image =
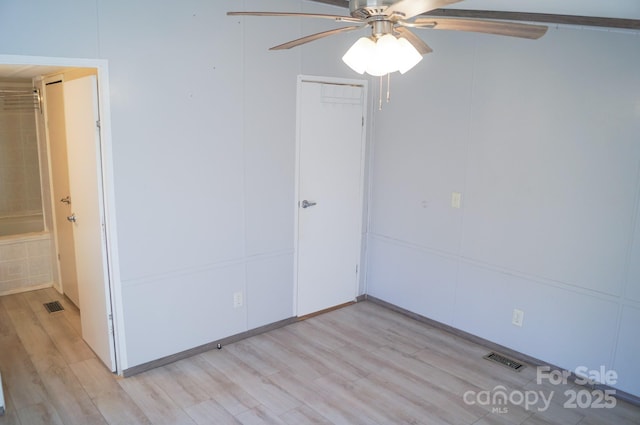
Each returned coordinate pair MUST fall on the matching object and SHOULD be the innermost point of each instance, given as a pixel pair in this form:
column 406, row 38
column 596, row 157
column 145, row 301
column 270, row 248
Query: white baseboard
column 26, row 289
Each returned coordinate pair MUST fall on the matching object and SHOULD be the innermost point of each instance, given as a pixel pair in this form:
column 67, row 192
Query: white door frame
column 108, row 195
column 339, row 81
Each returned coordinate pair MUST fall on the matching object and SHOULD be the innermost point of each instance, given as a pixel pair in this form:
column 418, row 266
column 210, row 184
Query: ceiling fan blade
column 511, row 29
column 410, row 8
column 416, row 41
column 314, row 37
column 337, row 18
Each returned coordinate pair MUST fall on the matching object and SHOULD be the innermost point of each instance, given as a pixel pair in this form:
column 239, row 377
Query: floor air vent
column 53, row 306
column 505, row 361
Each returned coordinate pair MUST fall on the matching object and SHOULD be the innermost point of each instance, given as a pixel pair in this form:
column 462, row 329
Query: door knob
column 307, row 204
column 72, row 218
column 66, row 200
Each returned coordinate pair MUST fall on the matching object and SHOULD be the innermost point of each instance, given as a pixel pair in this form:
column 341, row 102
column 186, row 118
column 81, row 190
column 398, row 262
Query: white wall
column 541, row 139
column 203, row 138
column 538, row 136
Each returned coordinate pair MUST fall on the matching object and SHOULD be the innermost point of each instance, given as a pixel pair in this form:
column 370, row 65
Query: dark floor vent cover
column 505, row 361
column 53, row 306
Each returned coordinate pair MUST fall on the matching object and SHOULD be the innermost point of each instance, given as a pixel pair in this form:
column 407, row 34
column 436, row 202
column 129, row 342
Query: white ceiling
column 27, row 71
column 624, row 9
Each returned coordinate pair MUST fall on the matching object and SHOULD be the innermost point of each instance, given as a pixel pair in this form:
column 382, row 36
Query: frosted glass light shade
column 383, row 61
column 359, row 55
column 384, row 56
column 407, row 55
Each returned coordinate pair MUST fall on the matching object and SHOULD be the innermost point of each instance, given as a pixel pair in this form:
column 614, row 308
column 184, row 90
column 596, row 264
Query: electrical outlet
column 237, row 300
column 456, row 199
column 518, row 317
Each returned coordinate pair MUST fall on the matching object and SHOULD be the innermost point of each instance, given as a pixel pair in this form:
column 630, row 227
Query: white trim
column 29, row 289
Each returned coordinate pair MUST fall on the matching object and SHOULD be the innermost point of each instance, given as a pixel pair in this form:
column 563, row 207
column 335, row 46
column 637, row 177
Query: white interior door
column 330, row 188
column 85, row 181
column 57, row 137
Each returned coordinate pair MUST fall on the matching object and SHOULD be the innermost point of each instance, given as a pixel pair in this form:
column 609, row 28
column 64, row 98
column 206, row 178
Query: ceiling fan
column 392, row 46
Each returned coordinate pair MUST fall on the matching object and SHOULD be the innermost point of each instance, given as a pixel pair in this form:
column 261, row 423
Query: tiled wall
column 25, row 263
column 19, row 168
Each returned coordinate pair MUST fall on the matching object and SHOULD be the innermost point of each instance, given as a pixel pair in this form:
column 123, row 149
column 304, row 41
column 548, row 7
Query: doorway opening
column 74, row 125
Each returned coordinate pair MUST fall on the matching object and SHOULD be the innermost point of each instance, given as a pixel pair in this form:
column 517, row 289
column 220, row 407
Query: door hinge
column 98, row 123
column 363, row 121
column 356, row 269
column 110, row 318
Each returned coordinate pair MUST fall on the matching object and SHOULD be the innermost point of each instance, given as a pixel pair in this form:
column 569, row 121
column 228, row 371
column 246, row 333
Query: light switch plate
column 456, row 199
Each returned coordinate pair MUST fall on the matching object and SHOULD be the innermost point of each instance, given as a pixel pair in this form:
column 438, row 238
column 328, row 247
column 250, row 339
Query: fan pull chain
column 388, row 91
column 388, row 87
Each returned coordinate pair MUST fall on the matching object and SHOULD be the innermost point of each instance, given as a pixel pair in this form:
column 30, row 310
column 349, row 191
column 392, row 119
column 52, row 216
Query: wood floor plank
column 425, row 401
column 259, row 415
column 476, row 370
column 115, row 405
column 370, row 328
column 59, row 329
column 313, row 345
column 320, row 338
column 40, row 414
column 63, row 390
column 328, row 405
column 220, row 388
column 210, row 412
column 362, row 364
column 288, row 358
column 69, row 398
column 432, row 338
column 10, row 416
column 35, row 340
column 271, row 396
column 154, row 402
column 184, row 391
column 623, row 414
column 382, row 411
column 500, row 419
column 19, row 375
column 304, row 415
column 345, row 332
column 262, row 361
column 535, row 421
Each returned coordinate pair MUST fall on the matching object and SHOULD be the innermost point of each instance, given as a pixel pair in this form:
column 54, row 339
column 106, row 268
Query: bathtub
column 26, row 260
column 19, row 225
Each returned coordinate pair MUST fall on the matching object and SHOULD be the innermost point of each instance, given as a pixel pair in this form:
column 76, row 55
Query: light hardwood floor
column 362, row 364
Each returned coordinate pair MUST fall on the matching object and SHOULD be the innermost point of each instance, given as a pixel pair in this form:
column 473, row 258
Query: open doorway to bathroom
column 20, row 189
column 71, row 152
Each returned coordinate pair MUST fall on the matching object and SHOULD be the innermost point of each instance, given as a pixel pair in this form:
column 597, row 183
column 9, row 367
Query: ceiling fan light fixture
column 407, row 55
column 381, row 57
column 359, row 55
column 383, row 61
